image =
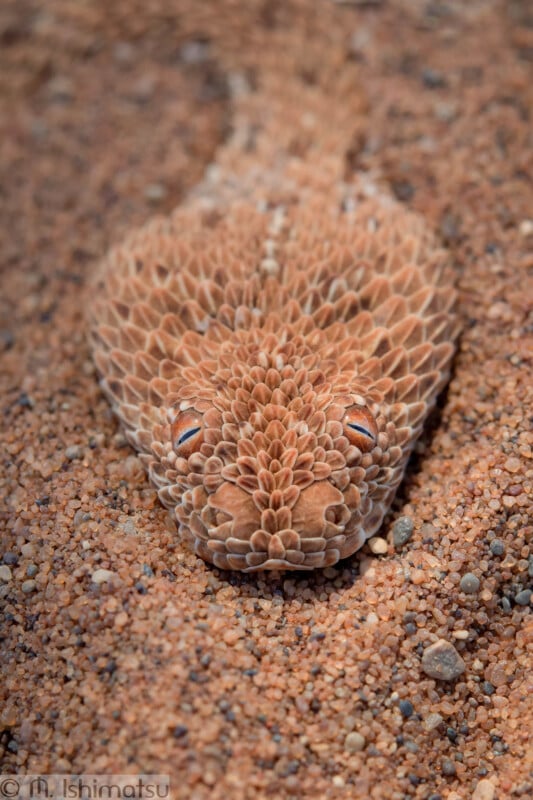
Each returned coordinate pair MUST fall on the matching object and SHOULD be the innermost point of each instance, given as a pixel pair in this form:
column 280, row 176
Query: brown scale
column 274, row 347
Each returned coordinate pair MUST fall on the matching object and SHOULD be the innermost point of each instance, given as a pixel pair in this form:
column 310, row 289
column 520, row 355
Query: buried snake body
column 274, row 347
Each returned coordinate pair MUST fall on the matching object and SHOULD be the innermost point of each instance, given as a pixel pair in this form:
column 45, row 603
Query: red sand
column 248, row 686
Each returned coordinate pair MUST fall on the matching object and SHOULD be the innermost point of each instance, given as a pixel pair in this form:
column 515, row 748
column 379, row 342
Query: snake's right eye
column 187, row 433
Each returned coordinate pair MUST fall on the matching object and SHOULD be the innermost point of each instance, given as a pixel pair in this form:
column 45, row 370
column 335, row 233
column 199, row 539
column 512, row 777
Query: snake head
column 281, row 470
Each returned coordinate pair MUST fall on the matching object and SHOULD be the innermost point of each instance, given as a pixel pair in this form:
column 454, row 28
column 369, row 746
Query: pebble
column 74, row 452
column 155, row 192
column 442, row 661
column 378, row 546
column 406, row 708
column 433, row 79
column 523, row 598
column 5, row 573
column 32, row 570
column 485, row 790
column 497, row 547
column 433, row 721
column 180, row 731
column 10, row 558
column 526, row 227
column 469, row 583
column 448, row 768
column 354, row 742
column 402, row 530
column 102, row 575
column 29, row 586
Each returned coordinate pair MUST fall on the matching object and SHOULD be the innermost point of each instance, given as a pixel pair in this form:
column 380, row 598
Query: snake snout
column 292, row 529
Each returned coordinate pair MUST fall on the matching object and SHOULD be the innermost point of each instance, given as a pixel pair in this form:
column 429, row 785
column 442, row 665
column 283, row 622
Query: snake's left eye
column 187, row 433
column 360, row 428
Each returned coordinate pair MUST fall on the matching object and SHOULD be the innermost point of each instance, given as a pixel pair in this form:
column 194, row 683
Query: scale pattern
column 268, row 324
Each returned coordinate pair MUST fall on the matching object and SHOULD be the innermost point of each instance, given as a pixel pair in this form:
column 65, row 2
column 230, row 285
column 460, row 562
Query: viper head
column 278, row 460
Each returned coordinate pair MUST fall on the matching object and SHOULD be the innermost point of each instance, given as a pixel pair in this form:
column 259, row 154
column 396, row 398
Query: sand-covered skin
column 250, row 686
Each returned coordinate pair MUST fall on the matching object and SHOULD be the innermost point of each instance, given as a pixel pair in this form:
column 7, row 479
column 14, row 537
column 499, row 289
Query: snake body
column 274, row 347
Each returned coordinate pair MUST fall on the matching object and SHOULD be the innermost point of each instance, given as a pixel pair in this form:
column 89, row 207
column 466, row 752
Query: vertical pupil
column 187, row 434
column 359, row 428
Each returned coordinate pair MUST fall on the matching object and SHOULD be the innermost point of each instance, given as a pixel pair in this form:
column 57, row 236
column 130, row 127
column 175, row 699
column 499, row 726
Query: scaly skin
column 275, row 346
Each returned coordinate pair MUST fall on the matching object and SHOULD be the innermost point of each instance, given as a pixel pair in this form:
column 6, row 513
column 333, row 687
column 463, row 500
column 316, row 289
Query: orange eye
column 360, row 428
column 187, row 433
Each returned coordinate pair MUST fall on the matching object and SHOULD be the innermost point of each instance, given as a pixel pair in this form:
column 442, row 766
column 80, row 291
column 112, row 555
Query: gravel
column 523, row 598
column 469, row 583
column 442, row 661
column 354, row 742
column 99, row 675
column 402, row 530
column 497, row 547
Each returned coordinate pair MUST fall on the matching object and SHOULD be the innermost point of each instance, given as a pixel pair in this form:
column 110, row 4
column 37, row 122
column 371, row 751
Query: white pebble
column 102, row 575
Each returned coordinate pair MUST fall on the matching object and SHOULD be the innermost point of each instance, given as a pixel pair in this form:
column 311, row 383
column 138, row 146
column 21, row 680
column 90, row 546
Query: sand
column 122, row 651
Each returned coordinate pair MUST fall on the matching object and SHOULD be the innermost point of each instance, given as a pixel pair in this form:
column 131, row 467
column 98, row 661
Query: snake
column 274, row 346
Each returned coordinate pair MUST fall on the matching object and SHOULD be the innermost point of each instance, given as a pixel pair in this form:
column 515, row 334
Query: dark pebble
column 406, row 708
column 403, row 190
column 402, row 530
column 10, row 559
column 469, row 583
column 451, row 734
column 180, row 731
column 7, row 340
column 25, row 401
column 433, row 79
column 488, row 688
column 448, row 767
column 497, row 547
column 523, row 598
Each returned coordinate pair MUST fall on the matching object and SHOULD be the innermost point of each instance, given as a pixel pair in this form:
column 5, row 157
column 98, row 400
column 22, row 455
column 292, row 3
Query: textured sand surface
column 121, row 650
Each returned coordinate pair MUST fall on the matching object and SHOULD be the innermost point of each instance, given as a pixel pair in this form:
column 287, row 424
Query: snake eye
column 360, row 428
column 187, row 433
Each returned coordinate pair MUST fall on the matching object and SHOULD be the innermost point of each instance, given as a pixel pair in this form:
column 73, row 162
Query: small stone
column 10, row 558
column 497, row 547
column 433, row 79
column 448, row 768
column 102, row 575
column 523, row 598
column 526, row 227
column 377, row 545
column 485, row 790
column 29, row 586
column 506, row 604
column 469, row 583
column 354, row 742
column 5, row 574
column 406, row 708
column 180, row 731
column 155, row 192
column 74, row 452
column 433, row 721
column 442, row 661
column 32, row 570
column 402, row 530
column 513, row 464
